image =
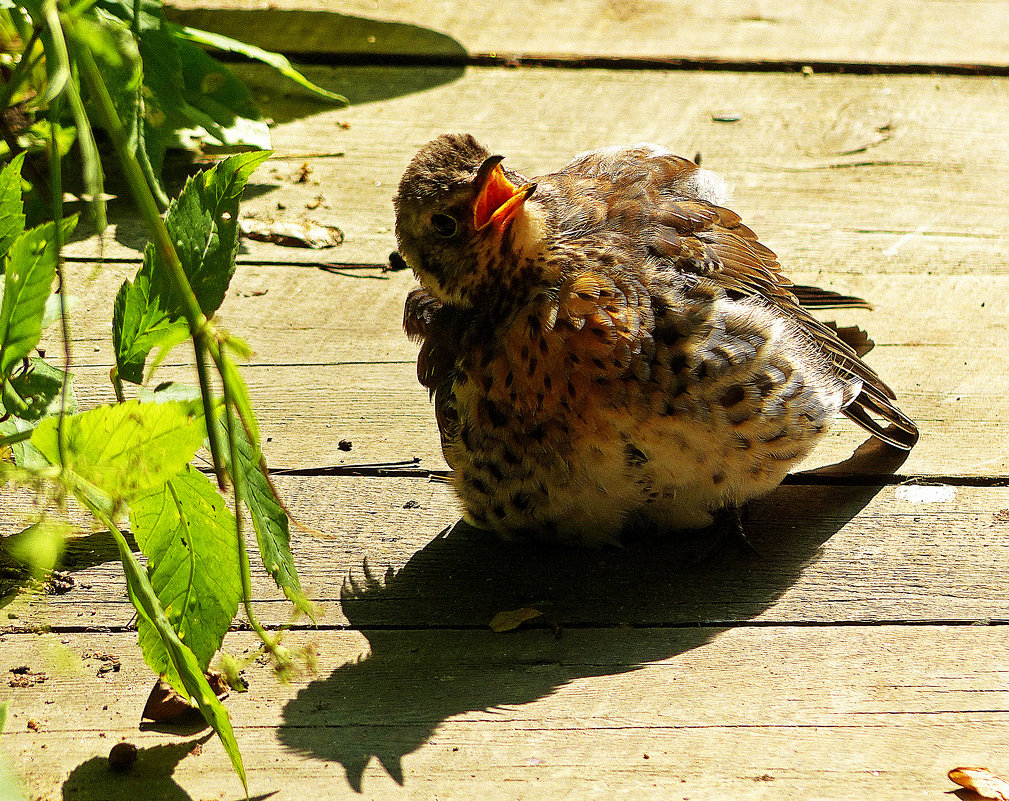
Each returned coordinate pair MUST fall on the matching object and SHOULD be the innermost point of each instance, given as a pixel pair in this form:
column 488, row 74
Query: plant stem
column 198, row 324
column 117, row 384
column 56, row 209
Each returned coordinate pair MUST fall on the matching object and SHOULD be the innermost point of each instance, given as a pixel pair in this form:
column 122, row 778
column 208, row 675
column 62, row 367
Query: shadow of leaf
column 336, row 39
column 432, row 656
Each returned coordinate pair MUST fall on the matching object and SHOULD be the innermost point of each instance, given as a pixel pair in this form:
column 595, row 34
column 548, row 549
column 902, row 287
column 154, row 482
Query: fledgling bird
column 608, row 344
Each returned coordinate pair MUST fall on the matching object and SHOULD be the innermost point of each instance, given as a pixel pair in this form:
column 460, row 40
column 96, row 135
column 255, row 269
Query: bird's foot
column 726, row 530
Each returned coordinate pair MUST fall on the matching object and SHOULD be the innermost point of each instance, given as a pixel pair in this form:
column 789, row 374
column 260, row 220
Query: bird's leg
column 726, row 529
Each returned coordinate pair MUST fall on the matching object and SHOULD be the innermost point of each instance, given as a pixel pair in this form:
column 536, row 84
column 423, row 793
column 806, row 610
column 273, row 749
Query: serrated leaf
column 203, row 223
column 142, row 321
column 31, row 270
column 270, row 519
column 183, row 660
column 189, row 537
column 40, row 387
column 125, row 449
column 218, row 191
column 275, row 60
column 12, row 218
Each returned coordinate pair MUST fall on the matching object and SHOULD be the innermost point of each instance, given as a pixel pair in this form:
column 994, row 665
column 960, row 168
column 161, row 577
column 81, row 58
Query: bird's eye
column 444, row 225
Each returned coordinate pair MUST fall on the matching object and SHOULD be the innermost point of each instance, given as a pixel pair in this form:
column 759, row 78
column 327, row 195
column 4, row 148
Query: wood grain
column 902, row 32
column 859, row 655
column 332, row 363
column 848, row 174
column 832, row 712
column 826, row 553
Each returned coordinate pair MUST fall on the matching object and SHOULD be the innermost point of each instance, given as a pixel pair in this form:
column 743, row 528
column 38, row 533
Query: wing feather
column 684, row 231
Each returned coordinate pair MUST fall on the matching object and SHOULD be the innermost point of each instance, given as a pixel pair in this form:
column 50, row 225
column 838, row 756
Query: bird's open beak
column 497, row 198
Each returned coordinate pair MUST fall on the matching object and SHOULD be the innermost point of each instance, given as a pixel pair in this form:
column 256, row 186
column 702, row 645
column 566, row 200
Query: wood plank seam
column 637, row 63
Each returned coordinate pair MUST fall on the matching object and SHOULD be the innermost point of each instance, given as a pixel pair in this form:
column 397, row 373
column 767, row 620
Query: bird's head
column 466, row 226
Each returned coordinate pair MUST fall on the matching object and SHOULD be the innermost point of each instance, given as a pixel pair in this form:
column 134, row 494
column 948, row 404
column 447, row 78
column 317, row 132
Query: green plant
column 167, row 91
column 111, row 65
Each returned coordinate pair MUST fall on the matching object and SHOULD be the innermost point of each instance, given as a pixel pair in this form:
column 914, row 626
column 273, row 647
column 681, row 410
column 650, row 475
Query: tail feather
column 814, row 297
column 854, row 337
column 901, row 432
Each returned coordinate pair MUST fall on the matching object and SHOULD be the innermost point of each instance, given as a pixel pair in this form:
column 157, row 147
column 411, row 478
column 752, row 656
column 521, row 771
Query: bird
column 609, row 347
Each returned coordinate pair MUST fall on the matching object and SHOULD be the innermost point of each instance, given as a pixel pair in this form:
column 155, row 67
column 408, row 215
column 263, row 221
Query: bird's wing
column 424, row 319
column 664, row 203
column 432, row 324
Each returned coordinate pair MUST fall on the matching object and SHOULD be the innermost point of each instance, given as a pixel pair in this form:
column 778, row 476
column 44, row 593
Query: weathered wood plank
column 306, row 411
column 844, row 173
column 826, row 554
column 302, row 316
column 833, row 712
column 855, row 31
column 332, row 362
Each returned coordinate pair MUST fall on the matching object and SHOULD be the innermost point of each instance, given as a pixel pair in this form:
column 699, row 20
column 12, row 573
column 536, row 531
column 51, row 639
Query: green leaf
column 12, row 218
column 125, row 449
column 190, row 97
column 203, row 223
column 26, row 455
column 218, row 102
column 271, row 521
column 40, row 387
column 31, row 270
column 39, row 546
column 190, row 539
column 183, row 660
column 142, row 321
column 53, row 309
column 275, row 60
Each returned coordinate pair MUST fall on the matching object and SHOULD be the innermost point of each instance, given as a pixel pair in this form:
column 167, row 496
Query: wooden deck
column 861, row 655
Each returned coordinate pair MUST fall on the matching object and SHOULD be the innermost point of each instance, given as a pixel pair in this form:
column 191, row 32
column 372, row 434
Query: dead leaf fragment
column 982, row 781
column 304, row 234
column 165, row 705
column 512, row 619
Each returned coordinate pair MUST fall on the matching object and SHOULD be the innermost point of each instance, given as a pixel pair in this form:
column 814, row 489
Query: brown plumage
column 608, row 344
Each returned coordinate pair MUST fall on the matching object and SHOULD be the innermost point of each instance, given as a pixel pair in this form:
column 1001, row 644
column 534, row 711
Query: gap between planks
column 892, row 34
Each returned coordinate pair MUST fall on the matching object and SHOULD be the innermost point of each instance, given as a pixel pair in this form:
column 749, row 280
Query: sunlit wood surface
column 861, row 654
